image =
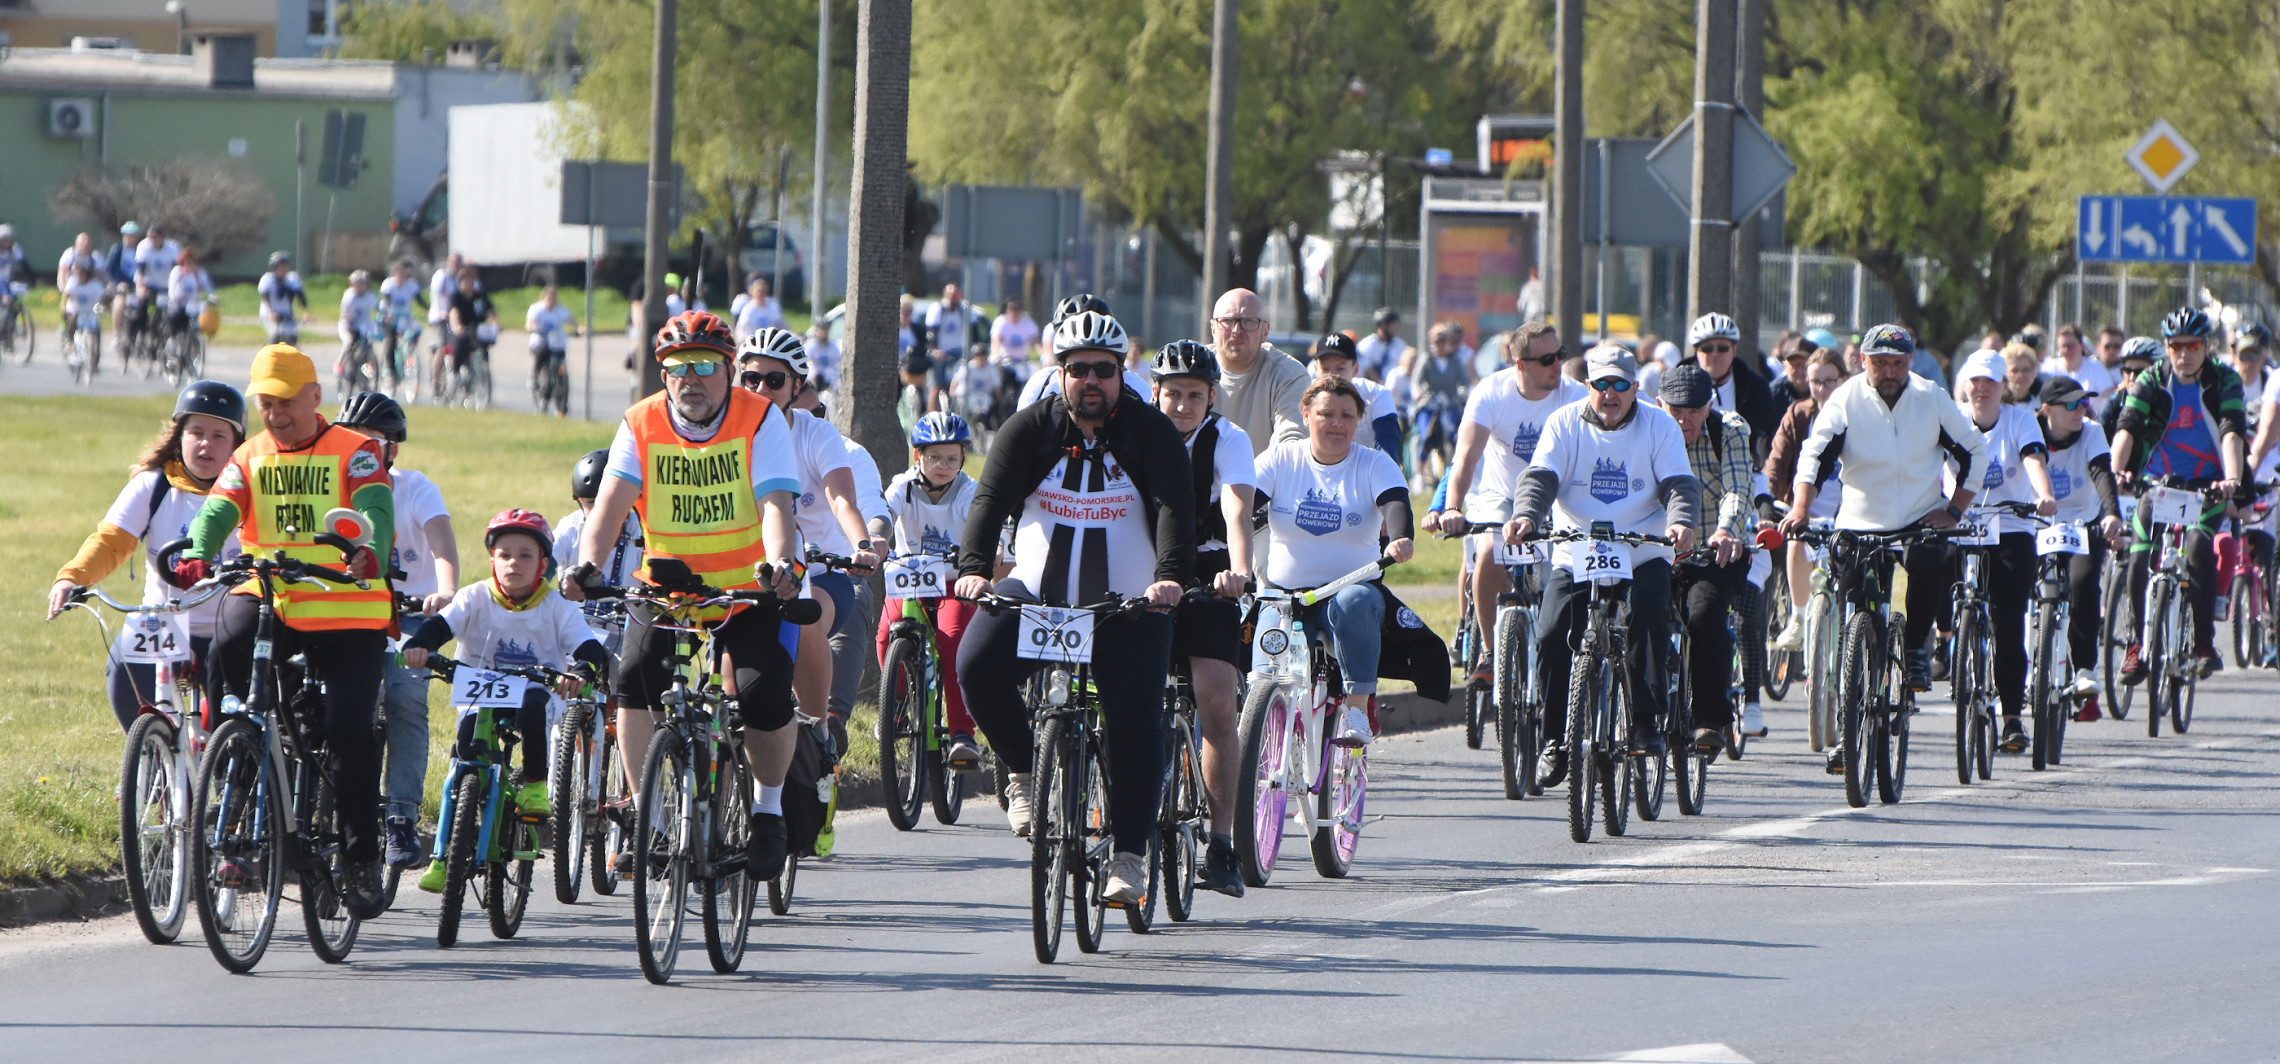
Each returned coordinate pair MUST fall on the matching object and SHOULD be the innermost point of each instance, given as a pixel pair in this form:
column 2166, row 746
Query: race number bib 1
column 1979, row 529
column 1050, row 633
column 2169, row 506
column 479, row 688
column 152, row 638
column 1517, row 554
column 919, row 576
column 2061, row 539
column 1596, row 560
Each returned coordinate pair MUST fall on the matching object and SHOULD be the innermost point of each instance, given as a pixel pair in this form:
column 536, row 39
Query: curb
column 74, row 897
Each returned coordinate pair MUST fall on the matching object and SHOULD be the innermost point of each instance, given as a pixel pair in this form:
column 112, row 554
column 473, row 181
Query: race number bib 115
column 151, row 638
column 919, row 576
column 2060, row 539
column 480, row 688
column 1050, row 633
column 1595, row 560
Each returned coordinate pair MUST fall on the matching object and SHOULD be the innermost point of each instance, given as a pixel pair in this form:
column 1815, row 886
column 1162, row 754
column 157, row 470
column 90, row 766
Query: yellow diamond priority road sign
column 2162, row 156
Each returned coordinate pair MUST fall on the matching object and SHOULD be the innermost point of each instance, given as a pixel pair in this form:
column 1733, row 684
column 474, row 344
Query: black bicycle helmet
column 375, row 411
column 1072, row 306
column 213, row 399
column 1185, row 358
column 2185, row 321
column 2252, row 334
column 586, row 476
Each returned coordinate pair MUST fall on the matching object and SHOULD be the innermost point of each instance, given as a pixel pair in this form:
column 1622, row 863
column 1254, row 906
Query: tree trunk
column 1250, row 242
column 875, row 225
column 1294, row 244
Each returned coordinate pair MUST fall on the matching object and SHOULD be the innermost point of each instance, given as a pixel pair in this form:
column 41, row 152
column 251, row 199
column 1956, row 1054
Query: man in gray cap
column 1610, row 459
column 1718, row 450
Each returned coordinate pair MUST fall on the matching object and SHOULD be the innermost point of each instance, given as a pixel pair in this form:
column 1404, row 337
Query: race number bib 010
column 1980, row 529
column 1050, row 633
column 2169, row 506
column 1596, row 560
column 1517, row 554
column 152, row 638
column 919, row 576
column 2061, row 539
column 480, row 688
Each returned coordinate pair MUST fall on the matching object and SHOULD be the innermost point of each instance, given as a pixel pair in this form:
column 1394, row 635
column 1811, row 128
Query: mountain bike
column 1782, row 667
column 1971, row 669
column 2115, row 627
column 1875, row 705
column 403, row 355
column 162, row 752
column 265, row 802
column 1515, row 697
column 82, row 345
column 359, row 368
column 1601, row 725
column 2174, row 507
column 586, row 779
column 2248, row 603
column 911, row 732
column 549, row 379
column 1184, row 821
column 1465, row 651
column 19, row 334
column 2051, row 695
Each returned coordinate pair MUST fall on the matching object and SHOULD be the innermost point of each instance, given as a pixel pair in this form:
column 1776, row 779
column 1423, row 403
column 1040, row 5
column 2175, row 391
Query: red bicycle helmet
column 696, row 329
column 527, row 522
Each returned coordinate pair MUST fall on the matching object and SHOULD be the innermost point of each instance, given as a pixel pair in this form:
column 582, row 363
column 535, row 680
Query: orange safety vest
column 287, row 493
column 696, row 502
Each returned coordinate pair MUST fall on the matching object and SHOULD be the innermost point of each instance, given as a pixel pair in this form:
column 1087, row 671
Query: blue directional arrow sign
column 2178, row 229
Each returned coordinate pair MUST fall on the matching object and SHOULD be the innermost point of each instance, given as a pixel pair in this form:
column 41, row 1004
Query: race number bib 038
column 480, row 688
column 1596, row 560
column 2061, row 539
column 2169, row 506
column 919, row 576
column 152, row 638
column 1050, row 633
column 1979, row 529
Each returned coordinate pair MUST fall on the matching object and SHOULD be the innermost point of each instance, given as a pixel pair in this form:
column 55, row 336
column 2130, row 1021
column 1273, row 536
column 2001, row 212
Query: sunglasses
column 1719, row 348
column 1103, row 370
column 701, row 369
column 2071, row 404
column 753, row 378
column 1546, row 360
column 2186, row 345
column 1612, row 384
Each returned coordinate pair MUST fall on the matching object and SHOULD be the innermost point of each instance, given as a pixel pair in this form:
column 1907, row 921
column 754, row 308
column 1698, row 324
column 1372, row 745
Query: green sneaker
column 531, row 799
column 432, row 879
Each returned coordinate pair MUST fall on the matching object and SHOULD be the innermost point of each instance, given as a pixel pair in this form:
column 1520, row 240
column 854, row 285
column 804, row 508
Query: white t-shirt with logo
column 491, row 636
column 923, row 525
column 154, row 261
column 132, row 514
column 1013, row 339
column 2094, row 378
column 1231, row 467
column 1612, row 476
column 418, row 501
column 1515, row 424
column 1323, row 518
column 553, row 324
column 818, row 450
column 2070, row 473
column 1083, row 533
column 2015, row 434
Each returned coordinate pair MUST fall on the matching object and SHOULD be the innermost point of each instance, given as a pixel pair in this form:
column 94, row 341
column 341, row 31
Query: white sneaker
column 1126, row 879
column 1753, row 721
column 1017, row 802
column 2085, row 682
column 1353, row 727
column 1792, row 635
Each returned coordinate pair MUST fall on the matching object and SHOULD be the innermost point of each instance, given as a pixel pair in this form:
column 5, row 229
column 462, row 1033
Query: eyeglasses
column 767, row 381
column 1104, row 370
column 702, row 369
column 1720, row 347
column 1612, row 384
column 2186, row 345
column 1244, row 324
column 1825, row 382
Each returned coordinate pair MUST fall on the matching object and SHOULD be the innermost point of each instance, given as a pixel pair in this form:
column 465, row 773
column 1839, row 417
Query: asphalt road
column 2119, row 908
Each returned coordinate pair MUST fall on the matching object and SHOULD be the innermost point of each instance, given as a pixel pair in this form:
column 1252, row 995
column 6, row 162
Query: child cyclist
column 929, row 502
column 513, row 619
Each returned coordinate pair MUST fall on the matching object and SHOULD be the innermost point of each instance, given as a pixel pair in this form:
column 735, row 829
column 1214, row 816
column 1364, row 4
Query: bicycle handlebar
column 799, row 611
column 1116, row 604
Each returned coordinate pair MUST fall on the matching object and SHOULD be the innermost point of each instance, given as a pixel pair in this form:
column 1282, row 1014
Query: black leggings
column 757, row 663
column 530, row 727
column 349, row 660
column 2008, row 577
column 1704, row 593
column 2201, row 565
column 1560, row 620
column 1135, row 651
column 2082, row 601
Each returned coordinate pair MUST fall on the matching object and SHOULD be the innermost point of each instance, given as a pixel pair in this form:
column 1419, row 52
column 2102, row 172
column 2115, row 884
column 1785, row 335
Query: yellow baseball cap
column 281, row 370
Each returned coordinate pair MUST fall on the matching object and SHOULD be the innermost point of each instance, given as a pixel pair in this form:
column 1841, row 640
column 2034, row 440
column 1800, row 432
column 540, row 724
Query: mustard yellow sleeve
column 106, row 549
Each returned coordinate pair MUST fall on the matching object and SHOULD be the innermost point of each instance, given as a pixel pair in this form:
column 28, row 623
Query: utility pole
column 1567, row 177
column 1710, row 245
column 659, row 228
column 873, row 381
column 819, row 254
column 1749, row 95
column 1219, row 158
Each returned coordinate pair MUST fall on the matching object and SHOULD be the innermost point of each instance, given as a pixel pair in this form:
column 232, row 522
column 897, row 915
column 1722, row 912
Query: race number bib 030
column 2061, row 539
column 481, row 688
column 152, row 638
column 919, row 576
column 1596, row 560
column 1050, row 633
column 2169, row 506
column 1980, row 529
column 1517, row 554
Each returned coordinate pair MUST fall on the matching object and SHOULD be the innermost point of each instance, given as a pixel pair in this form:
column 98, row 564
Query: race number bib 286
column 1594, row 560
column 1050, row 633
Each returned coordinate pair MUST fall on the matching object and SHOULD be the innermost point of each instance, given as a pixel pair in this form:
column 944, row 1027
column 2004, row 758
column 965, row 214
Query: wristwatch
column 1953, row 512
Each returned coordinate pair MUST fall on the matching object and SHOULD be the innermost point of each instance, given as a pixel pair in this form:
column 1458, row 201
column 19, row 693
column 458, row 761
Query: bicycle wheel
column 1890, row 737
column 1479, row 705
column 461, row 861
column 332, row 931
column 1824, row 649
column 1686, row 765
column 1049, row 859
column 1183, row 804
column 1781, row 666
column 1338, row 805
column 945, row 790
column 609, row 836
column 235, row 851
column 1616, row 779
column 482, row 381
column 780, row 888
column 1963, row 692
column 567, row 770
column 902, row 740
column 661, row 841
column 151, row 853
column 2241, row 607
column 2046, row 705
column 1269, row 727
column 506, row 891
column 1515, row 732
column 1089, row 845
column 2160, row 644
column 1583, row 710
column 728, row 899
column 1862, row 685
column 2115, row 634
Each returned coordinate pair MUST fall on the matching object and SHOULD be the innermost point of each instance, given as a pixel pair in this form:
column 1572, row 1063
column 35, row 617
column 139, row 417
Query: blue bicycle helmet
column 1889, row 340
column 2185, row 321
column 940, row 426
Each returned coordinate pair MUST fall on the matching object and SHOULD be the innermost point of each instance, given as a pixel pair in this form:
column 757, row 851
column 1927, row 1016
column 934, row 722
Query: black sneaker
column 766, row 850
column 403, row 843
column 1919, row 670
column 1939, row 663
column 1551, row 766
column 363, row 893
column 2209, row 662
column 1836, row 763
column 2014, row 736
column 1219, row 872
column 1648, row 741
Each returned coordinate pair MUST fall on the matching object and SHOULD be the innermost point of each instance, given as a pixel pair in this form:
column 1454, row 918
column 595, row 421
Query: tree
column 216, row 207
column 410, row 31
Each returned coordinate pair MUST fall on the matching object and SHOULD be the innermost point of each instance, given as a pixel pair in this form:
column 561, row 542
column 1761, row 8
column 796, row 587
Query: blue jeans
column 1354, row 619
column 404, row 780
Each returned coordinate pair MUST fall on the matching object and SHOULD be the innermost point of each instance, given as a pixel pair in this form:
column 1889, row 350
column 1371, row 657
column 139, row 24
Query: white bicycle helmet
column 1089, row 331
column 1712, row 326
column 780, row 344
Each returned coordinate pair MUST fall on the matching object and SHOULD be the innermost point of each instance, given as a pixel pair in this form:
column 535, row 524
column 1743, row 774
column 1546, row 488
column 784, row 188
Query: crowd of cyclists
column 1681, row 494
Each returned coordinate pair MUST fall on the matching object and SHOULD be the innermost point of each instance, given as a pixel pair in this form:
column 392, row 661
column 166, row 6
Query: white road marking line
column 1704, row 1053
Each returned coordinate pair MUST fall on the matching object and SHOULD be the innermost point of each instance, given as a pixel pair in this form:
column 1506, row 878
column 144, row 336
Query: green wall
column 146, row 129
